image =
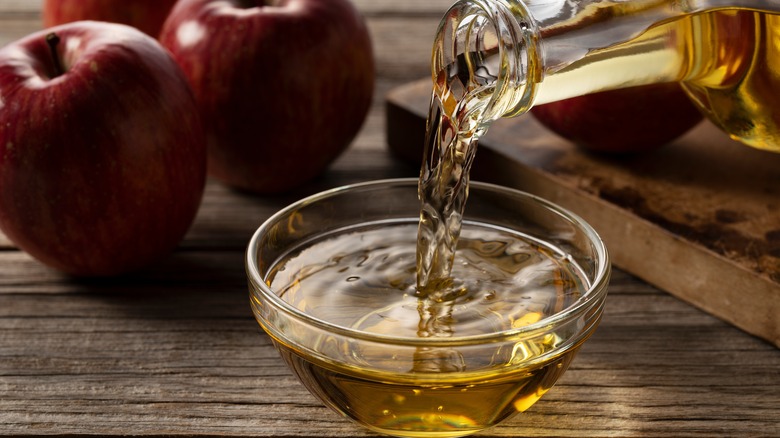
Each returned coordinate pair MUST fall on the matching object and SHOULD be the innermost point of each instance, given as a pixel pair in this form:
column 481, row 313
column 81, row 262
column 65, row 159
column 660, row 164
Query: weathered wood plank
column 13, row 27
column 31, row 7
column 173, row 350
column 403, row 46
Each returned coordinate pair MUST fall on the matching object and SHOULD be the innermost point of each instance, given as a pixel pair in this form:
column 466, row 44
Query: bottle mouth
column 488, row 47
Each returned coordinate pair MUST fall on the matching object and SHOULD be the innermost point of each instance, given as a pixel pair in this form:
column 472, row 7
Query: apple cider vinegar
column 364, row 278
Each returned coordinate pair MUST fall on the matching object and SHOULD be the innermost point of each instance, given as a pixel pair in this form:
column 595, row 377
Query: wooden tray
column 699, row 218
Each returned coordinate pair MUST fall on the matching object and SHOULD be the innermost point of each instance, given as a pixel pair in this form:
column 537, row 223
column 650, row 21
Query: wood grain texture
column 173, row 350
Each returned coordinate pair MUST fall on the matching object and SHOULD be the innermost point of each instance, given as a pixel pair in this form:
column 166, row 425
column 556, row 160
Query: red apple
column 146, row 15
column 626, row 120
column 102, row 154
column 283, row 86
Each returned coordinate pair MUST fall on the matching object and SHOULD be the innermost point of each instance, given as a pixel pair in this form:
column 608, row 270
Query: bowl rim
column 593, row 296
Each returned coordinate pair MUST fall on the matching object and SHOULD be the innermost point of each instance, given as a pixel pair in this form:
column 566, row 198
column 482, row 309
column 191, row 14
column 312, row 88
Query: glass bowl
column 332, row 281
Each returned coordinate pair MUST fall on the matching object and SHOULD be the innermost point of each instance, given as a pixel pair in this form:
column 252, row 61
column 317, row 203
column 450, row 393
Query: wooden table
column 174, row 350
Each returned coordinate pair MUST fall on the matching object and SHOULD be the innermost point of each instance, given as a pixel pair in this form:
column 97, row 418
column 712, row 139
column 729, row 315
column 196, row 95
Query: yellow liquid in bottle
column 736, row 79
column 728, row 61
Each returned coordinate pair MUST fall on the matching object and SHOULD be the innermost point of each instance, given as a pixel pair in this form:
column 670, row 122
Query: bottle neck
column 486, row 61
column 531, row 52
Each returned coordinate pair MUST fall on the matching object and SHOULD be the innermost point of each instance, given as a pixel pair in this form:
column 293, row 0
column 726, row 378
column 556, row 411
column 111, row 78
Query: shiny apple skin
column 282, row 89
column 102, row 168
column 629, row 120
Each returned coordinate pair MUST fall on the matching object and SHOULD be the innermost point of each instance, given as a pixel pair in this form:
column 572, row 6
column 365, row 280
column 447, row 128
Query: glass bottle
column 497, row 58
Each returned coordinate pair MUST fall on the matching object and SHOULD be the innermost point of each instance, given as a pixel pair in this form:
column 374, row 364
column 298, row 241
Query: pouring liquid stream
column 728, row 61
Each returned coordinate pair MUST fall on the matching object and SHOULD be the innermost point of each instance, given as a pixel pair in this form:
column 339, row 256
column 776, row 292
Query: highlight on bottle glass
column 333, row 281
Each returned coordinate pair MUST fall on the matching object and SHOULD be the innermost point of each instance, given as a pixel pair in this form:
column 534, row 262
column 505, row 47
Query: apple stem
column 53, row 41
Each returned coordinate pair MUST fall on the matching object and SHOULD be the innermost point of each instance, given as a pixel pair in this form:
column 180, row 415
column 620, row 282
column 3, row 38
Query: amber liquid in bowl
column 364, row 278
